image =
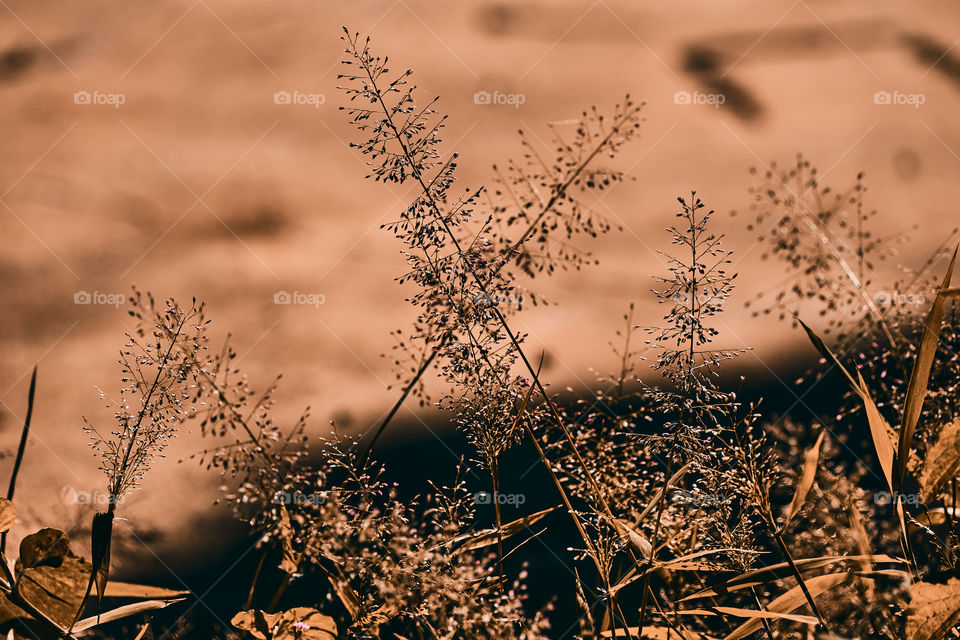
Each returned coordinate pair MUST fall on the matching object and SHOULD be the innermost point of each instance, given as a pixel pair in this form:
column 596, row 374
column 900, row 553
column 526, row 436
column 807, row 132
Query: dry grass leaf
column 934, row 610
column 691, row 562
column 862, row 541
column 632, row 537
column 749, row 613
column 880, row 431
column 759, row 577
column 341, row 586
column 810, row 461
column 290, row 560
column 123, row 612
column 829, row 356
column 655, row 500
column 942, row 462
column 101, row 535
column 790, row 601
column 920, row 376
column 657, row 633
column 130, row 590
column 488, row 537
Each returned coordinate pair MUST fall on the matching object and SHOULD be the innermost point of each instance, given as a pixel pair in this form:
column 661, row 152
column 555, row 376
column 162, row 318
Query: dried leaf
column 942, row 462
column 300, row 623
column 689, row 562
column 45, row 548
column 341, row 586
column 862, row 541
column 57, row 591
column 934, row 610
column 8, row 515
column 633, row 537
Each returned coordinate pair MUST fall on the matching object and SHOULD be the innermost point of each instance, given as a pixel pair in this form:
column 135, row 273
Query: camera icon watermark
column 487, row 300
column 914, row 100
column 309, row 299
column 885, row 497
column 72, row 495
column 299, row 498
column 112, row 299
column 299, row 98
column 511, row 499
column 896, row 299
column 499, row 98
column 98, row 98
column 698, row 97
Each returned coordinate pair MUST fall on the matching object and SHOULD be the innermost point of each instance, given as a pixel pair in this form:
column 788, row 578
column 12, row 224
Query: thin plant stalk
column 253, row 583
column 796, row 573
column 365, row 456
column 434, row 205
column 21, row 449
column 495, row 480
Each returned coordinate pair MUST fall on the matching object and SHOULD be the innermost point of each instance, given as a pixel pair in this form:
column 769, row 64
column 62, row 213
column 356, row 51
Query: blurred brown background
column 143, row 144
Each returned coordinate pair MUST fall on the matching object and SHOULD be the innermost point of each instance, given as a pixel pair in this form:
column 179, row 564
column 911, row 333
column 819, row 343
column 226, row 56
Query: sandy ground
column 198, row 184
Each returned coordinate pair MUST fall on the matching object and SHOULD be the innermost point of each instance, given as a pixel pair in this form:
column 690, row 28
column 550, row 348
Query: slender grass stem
column 21, row 449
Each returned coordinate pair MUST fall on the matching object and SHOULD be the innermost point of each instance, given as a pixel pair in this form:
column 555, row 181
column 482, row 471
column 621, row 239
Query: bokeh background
column 143, row 144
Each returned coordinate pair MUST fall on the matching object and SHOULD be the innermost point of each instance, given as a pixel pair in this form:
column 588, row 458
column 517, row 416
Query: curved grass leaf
column 487, row 537
column 123, row 612
column 920, row 376
column 130, row 590
column 749, row 613
column 790, row 601
column 765, row 575
column 880, row 432
column 810, row 460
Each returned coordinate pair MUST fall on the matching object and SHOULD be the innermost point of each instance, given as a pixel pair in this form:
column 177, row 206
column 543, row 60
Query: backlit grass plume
column 695, row 291
column 158, row 366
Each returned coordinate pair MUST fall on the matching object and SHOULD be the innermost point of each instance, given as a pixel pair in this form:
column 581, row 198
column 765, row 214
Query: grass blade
column 828, row 354
column 487, row 537
column 123, row 612
column 790, row 601
column 810, row 461
column 880, row 431
column 920, row 376
column 766, row 575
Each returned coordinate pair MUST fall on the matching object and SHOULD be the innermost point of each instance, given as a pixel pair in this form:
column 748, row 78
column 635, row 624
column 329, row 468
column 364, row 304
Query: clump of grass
column 687, row 511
